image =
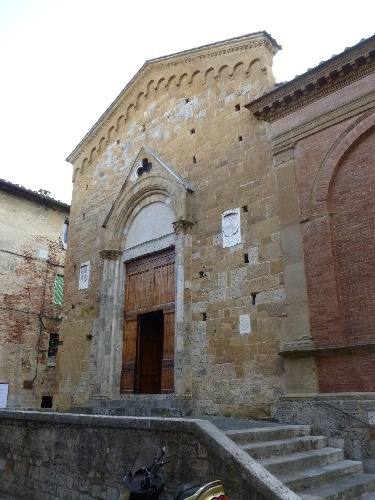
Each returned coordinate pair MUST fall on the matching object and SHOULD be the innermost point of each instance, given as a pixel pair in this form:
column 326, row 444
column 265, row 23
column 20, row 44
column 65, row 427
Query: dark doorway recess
column 149, row 352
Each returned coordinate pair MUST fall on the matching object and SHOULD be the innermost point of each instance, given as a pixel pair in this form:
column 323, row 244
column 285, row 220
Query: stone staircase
column 305, row 463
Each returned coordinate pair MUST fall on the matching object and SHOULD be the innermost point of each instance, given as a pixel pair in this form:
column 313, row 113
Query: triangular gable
column 147, row 162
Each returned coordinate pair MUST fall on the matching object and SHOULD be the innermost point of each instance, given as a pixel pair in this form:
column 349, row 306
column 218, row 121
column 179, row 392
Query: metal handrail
column 345, row 413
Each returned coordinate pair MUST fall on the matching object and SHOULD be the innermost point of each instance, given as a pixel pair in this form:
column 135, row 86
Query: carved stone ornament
column 182, row 226
column 110, row 254
column 231, row 227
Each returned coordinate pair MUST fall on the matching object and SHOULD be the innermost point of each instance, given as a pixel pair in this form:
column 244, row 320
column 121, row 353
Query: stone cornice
column 363, row 104
column 180, row 59
column 304, row 351
column 328, row 77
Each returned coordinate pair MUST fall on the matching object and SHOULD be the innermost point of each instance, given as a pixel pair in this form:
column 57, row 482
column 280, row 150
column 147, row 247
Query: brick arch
column 321, row 186
column 352, row 214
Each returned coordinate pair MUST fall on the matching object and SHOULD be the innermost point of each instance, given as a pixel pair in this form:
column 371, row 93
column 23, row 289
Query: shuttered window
column 58, row 290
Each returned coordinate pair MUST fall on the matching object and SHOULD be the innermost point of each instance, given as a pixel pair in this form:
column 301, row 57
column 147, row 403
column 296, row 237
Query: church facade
column 174, row 279
column 220, row 238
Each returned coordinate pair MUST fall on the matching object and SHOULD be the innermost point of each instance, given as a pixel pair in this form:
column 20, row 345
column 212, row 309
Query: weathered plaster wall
column 31, row 255
column 190, row 112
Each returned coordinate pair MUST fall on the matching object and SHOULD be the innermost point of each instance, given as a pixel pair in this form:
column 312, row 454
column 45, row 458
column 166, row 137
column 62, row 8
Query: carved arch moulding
column 323, row 179
column 158, row 184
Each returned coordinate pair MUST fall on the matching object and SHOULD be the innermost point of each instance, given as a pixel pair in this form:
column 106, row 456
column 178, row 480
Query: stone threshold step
column 308, row 478
column 281, row 447
column 302, row 460
column 348, row 488
column 245, row 436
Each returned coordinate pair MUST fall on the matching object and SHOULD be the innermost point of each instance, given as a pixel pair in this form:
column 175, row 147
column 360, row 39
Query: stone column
column 183, row 308
column 108, row 332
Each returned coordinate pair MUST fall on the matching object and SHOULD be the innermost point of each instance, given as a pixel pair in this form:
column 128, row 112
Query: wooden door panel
column 167, row 373
column 163, row 287
column 129, row 355
column 138, row 290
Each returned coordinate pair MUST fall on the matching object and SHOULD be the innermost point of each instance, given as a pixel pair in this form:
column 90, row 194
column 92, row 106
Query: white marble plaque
column 3, row 395
column 244, row 324
column 231, row 227
column 84, row 276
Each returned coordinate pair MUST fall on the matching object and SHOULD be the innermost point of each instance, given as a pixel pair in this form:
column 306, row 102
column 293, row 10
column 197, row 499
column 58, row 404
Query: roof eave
column 342, row 69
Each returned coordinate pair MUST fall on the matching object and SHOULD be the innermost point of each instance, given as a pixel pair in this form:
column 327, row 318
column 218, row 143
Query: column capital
column 182, row 226
column 110, row 254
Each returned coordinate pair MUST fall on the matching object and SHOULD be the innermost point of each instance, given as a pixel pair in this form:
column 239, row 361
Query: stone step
column 245, row 436
column 312, row 477
column 347, row 488
column 137, row 405
column 368, row 496
column 302, row 460
column 280, row 447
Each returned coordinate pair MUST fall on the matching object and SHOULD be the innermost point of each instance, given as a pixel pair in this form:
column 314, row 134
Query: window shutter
column 58, row 290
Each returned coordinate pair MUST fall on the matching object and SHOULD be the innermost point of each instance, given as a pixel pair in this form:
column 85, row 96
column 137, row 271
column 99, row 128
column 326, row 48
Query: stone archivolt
column 162, row 184
column 137, row 92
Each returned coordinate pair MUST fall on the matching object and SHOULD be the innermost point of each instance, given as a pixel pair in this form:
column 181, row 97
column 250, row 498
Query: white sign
column 84, row 276
column 244, row 324
column 3, row 395
column 231, row 227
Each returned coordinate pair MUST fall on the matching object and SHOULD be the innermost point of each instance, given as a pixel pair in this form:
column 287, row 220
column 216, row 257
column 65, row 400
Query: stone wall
column 31, row 255
column 348, row 421
column 46, row 456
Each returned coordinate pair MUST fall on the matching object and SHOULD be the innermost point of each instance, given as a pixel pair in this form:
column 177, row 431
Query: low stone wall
column 66, row 456
column 348, row 422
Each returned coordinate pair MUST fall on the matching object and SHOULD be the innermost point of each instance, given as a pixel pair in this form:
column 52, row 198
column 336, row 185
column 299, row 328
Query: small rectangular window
column 58, row 290
column 64, row 233
column 84, row 275
column 53, row 344
column 47, row 402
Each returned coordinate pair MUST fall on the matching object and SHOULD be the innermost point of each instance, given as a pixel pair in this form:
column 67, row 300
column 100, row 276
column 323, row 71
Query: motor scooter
column 146, row 481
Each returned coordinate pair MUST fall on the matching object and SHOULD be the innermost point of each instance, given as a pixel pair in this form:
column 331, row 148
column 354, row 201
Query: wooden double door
column 148, row 348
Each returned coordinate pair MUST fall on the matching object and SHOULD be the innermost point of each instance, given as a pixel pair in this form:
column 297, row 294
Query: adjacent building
column 33, row 233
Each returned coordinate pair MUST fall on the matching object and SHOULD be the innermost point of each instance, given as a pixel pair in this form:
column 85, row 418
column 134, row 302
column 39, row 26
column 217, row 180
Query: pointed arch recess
column 322, row 182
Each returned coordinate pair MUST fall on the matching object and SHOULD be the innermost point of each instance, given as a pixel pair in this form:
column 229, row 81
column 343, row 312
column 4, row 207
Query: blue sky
column 65, row 61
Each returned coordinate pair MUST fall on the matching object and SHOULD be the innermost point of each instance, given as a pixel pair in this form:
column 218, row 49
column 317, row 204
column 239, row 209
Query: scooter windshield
column 145, row 458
